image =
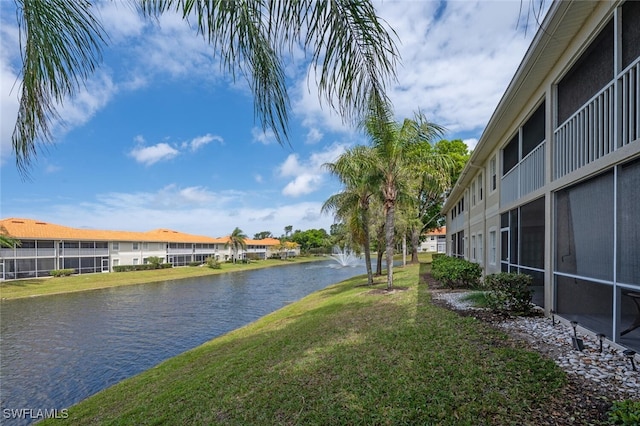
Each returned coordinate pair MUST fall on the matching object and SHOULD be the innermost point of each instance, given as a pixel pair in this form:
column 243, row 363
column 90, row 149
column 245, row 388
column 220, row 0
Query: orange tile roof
column 28, row 228
column 20, row 228
column 437, row 231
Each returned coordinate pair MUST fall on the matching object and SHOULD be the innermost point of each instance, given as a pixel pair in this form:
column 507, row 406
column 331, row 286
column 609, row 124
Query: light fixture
column 578, row 344
column 630, row 354
column 600, row 337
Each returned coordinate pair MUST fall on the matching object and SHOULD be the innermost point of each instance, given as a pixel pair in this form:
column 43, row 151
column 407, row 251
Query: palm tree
column 351, row 205
column 237, row 241
column 351, row 51
column 6, row 240
column 393, row 145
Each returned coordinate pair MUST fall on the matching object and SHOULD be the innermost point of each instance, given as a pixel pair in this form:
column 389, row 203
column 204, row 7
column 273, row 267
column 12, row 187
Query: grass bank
column 16, row 289
column 348, row 354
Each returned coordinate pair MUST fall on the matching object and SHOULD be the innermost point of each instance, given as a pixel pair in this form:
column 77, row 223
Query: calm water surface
column 58, row 350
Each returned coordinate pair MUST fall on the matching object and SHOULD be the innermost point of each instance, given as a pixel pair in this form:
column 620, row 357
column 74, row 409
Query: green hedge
column 509, row 293
column 453, row 272
column 62, row 272
column 145, row 267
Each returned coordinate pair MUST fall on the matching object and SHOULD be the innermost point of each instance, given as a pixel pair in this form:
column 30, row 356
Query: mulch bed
column 578, row 403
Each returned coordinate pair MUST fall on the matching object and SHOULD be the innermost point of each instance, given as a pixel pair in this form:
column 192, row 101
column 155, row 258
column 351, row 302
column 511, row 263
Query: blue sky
column 161, row 137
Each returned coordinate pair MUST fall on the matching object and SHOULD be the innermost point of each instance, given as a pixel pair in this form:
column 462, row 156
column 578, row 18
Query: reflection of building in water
column 552, row 188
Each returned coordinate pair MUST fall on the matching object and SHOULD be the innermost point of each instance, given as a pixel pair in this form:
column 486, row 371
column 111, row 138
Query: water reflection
column 57, row 350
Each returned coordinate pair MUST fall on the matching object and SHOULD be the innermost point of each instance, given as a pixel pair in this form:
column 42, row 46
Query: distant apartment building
column 435, row 241
column 552, row 188
column 45, row 247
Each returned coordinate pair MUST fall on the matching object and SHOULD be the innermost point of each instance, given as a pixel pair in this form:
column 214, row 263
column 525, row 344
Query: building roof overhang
column 557, row 31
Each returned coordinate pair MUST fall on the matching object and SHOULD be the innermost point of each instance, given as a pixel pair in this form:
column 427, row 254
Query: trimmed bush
column 213, row 263
column 453, row 272
column 144, row 267
column 509, row 293
column 62, row 272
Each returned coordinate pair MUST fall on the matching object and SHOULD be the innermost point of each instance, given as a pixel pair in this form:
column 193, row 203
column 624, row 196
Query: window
column 493, row 173
column 136, row 246
column 585, row 229
column 492, row 247
column 480, row 249
column 135, row 260
column 480, row 187
column 473, row 247
column 116, row 262
column 145, row 246
column 510, row 155
column 115, row 247
column 473, row 193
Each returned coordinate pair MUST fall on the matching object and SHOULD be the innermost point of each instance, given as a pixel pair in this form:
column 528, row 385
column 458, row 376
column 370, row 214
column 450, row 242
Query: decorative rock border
column 609, row 369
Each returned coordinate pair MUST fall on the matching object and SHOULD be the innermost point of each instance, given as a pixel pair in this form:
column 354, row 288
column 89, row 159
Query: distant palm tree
column 237, row 241
column 350, row 49
column 351, row 205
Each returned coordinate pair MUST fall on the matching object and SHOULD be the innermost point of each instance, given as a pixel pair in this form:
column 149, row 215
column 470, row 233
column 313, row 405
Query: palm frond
column 61, row 42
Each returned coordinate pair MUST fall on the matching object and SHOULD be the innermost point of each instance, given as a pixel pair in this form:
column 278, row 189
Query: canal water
column 57, row 350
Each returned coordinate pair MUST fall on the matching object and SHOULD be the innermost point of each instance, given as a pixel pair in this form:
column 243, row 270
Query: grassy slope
column 45, row 286
column 342, row 355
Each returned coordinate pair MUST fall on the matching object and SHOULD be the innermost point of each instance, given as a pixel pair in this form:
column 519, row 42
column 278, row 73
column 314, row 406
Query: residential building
column 45, row 247
column 552, row 188
column 435, row 241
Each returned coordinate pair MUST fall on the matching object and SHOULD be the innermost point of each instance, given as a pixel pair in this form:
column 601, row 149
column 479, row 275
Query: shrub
column 143, row 267
column 509, row 292
column 213, row 263
column 155, row 261
column 453, row 272
column 62, row 272
column 625, row 412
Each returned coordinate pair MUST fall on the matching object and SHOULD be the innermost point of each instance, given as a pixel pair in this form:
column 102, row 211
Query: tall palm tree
column 237, row 240
column 394, row 144
column 351, row 205
column 350, row 50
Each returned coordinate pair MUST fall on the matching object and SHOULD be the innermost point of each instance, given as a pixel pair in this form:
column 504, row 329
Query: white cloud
column 200, row 141
column 304, row 183
column 265, row 137
column 76, row 111
column 314, row 135
column 149, row 155
column 308, row 175
column 471, row 143
column 120, row 20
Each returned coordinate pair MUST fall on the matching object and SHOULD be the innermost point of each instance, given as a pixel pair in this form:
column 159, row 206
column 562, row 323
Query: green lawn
column 45, row 286
column 343, row 355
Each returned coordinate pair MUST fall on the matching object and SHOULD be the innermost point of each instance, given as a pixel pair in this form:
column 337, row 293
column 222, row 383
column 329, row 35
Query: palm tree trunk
column 367, row 253
column 389, row 228
column 380, row 240
column 415, row 242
